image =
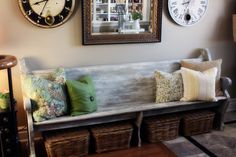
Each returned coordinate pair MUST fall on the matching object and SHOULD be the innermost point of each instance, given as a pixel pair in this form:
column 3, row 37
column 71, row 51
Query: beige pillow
column 199, row 85
column 202, row 66
column 169, row 86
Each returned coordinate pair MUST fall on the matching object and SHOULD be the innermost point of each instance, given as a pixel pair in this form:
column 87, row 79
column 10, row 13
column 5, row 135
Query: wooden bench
column 125, row 91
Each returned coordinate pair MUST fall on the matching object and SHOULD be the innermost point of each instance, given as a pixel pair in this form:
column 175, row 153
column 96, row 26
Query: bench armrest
column 30, row 125
column 226, row 82
column 27, row 104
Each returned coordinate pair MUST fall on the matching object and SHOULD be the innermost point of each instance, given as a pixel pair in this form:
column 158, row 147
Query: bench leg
column 31, row 144
column 30, row 130
column 138, row 123
column 220, row 115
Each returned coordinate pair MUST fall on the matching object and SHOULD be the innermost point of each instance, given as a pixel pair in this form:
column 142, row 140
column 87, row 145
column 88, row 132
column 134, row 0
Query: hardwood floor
column 147, row 150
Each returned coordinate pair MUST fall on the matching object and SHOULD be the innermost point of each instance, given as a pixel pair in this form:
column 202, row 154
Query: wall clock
column 47, row 13
column 187, row 12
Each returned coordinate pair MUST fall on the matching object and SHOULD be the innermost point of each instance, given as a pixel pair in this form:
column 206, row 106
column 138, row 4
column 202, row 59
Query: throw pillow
column 199, row 85
column 48, row 97
column 169, row 87
column 82, row 95
column 202, row 66
column 57, row 76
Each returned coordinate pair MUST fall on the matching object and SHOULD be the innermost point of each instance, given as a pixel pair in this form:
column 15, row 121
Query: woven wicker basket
column 161, row 128
column 197, row 122
column 112, row 136
column 73, row 143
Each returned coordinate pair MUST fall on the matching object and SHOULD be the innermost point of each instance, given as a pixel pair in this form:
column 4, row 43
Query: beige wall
column 62, row 46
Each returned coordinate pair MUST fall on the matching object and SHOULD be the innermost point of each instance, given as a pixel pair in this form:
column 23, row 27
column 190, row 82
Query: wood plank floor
column 147, row 150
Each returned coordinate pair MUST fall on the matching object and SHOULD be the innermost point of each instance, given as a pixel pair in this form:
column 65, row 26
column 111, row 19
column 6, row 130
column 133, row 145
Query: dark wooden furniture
column 8, row 123
column 124, row 92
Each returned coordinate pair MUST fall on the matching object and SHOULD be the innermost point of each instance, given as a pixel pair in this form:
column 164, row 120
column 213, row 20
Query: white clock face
column 53, row 7
column 187, row 12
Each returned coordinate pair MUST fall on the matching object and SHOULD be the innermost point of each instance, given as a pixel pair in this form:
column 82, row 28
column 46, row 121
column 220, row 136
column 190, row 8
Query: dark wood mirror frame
column 148, row 37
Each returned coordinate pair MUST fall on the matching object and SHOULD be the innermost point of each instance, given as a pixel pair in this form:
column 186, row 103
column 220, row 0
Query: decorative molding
column 234, row 26
column 232, row 105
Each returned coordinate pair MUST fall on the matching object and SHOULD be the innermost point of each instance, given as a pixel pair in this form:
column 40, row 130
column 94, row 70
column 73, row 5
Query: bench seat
column 119, row 111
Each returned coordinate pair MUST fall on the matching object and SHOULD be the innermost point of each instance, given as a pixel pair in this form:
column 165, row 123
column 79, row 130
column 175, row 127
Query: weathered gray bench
column 125, row 91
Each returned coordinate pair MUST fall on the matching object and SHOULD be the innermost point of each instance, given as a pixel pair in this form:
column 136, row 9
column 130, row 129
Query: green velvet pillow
column 82, row 95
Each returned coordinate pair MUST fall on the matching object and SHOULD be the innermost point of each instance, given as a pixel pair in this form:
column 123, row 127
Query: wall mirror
column 121, row 21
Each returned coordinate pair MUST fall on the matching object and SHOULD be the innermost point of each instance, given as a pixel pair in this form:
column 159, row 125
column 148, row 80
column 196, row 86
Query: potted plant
column 4, row 101
column 136, row 16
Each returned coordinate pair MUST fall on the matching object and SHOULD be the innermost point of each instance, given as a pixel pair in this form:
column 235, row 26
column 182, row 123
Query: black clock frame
column 40, row 21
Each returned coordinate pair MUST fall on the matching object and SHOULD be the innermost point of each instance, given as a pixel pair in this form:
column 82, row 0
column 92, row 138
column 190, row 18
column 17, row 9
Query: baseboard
column 230, row 115
column 232, row 105
column 23, row 135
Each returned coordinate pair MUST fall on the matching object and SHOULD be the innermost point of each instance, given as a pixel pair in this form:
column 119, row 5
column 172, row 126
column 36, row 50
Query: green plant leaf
column 137, row 15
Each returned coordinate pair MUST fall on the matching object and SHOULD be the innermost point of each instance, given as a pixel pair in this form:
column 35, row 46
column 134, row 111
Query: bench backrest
column 125, row 83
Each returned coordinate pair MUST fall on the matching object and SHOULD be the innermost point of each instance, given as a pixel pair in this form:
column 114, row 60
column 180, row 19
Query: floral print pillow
column 47, row 94
column 57, row 76
column 169, row 87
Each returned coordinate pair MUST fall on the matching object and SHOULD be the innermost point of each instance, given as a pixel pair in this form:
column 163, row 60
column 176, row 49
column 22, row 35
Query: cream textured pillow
column 169, row 87
column 199, row 85
column 202, row 66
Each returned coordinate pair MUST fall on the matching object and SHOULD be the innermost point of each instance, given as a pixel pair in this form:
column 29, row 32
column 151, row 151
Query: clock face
column 47, row 13
column 187, row 12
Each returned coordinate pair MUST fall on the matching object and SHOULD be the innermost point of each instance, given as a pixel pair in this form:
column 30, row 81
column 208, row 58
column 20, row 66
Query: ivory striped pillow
column 199, row 85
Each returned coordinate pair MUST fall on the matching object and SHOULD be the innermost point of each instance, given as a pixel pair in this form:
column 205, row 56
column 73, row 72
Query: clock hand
column 191, row 2
column 36, row 3
column 186, row 3
column 44, row 7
